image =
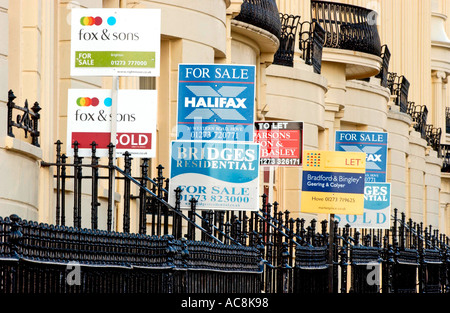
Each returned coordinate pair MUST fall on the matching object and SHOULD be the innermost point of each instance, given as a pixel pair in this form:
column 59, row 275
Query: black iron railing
column 28, row 120
column 264, row 250
column 399, row 87
column 419, row 114
column 347, row 27
column 37, row 258
column 310, row 42
column 384, row 71
column 42, row 258
column 433, row 137
column 445, row 156
column 261, row 13
column 288, row 38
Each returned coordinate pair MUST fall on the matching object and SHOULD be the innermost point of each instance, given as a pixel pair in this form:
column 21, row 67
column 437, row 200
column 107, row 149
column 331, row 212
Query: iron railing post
column 10, row 105
column 76, row 185
column 35, row 122
column 344, row 258
column 159, row 181
column 285, row 281
column 111, row 192
column 63, row 189
column 143, row 198
column 177, row 221
column 15, row 241
column 58, row 182
column 127, row 192
column 191, row 216
column 94, row 187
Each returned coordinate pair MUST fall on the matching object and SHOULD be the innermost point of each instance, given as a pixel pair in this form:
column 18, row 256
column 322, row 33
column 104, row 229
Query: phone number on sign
column 129, row 63
column 340, row 199
column 265, row 161
column 216, row 198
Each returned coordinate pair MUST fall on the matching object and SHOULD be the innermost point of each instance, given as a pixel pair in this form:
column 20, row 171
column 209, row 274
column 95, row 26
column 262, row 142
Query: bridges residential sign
column 216, row 102
column 115, row 42
column 219, row 175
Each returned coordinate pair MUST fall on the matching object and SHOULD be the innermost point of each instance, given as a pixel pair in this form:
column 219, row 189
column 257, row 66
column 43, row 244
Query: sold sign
column 89, row 119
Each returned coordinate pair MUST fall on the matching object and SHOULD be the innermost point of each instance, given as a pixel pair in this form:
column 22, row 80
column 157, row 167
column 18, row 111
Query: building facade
column 355, row 86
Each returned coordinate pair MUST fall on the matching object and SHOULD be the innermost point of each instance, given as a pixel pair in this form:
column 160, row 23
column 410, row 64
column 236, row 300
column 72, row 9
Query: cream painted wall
column 4, row 52
column 295, row 94
column 20, row 65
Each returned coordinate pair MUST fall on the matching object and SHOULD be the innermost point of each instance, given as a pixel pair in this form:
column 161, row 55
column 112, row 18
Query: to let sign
column 333, row 182
column 281, row 143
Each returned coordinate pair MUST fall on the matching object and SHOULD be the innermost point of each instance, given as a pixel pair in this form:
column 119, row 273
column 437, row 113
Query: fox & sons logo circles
column 86, row 101
column 97, row 21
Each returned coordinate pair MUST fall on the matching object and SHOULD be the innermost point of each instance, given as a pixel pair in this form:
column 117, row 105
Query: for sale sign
column 216, row 102
column 115, row 42
column 219, row 175
column 374, row 144
column 89, row 118
column 281, row 143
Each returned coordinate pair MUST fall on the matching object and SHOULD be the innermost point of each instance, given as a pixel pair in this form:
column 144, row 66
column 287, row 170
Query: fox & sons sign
column 115, row 42
column 89, row 119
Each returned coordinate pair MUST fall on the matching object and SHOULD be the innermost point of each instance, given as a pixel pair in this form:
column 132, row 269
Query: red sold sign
column 123, row 141
column 89, row 118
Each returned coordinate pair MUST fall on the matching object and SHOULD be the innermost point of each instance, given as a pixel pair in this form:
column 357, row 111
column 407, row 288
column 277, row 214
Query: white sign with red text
column 89, row 120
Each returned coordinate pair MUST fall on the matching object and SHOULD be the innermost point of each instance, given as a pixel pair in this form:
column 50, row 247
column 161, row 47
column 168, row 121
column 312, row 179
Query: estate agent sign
column 115, row 42
column 281, row 143
column 89, row 119
column 333, row 182
column 216, row 102
column 374, row 144
column 219, row 175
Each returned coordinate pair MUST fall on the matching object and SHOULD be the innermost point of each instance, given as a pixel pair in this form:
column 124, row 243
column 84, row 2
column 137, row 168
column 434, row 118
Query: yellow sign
column 333, row 182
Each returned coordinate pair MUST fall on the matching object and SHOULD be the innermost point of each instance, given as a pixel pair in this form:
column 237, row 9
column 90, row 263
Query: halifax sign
column 374, row 144
column 216, row 102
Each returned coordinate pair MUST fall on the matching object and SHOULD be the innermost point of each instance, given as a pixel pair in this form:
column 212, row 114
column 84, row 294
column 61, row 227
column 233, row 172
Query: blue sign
column 377, row 208
column 333, row 182
column 216, row 102
column 219, row 175
column 374, row 144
